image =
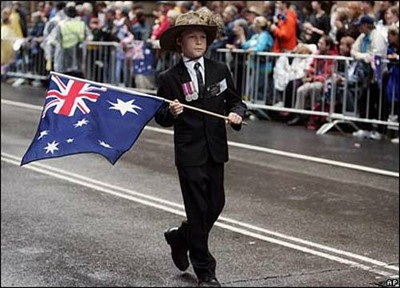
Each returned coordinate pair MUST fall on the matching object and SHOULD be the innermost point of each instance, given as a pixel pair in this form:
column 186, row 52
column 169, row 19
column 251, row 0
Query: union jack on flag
column 86, row 117
column 71, row 96
column 138, row 50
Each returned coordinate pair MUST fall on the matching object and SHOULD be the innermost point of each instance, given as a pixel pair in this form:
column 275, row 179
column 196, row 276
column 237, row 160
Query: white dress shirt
column 192, row 72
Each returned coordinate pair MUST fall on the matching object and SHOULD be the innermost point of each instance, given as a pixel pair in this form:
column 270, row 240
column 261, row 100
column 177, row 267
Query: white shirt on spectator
column 377, row 46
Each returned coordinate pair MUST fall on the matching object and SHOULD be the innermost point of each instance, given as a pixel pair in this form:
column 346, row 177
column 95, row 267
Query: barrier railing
column 101, row 63
column 265, row 80
column 341, row 97
column 27, row 59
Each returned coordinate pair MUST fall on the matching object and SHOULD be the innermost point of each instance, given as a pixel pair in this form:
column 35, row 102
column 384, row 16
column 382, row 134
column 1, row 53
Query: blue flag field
column 81, row 116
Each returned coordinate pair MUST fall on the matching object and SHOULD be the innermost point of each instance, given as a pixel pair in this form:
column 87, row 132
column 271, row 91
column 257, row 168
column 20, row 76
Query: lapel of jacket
column 183, row 76
column 211, row 73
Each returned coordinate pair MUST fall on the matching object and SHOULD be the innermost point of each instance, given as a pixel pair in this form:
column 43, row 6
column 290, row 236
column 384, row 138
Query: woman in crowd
column 390, row 17
column 261, row 41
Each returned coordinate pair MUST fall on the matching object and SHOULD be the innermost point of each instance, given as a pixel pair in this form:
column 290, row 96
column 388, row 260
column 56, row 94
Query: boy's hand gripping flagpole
column 143, row 94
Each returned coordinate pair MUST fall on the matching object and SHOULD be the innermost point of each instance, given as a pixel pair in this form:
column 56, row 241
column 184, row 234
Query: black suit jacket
column 198, row 136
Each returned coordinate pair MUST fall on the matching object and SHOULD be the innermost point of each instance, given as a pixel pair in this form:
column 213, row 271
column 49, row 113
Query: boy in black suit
column 200, row 140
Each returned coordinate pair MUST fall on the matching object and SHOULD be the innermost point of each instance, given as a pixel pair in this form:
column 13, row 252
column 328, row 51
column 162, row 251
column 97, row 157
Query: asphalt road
column 289, row 219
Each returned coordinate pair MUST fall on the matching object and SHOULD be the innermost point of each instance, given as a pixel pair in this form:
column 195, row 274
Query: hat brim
column 168, row 38
column 360, row 22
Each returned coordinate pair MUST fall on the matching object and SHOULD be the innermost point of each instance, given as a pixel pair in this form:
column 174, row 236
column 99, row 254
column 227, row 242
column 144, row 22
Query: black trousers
column 204, row 198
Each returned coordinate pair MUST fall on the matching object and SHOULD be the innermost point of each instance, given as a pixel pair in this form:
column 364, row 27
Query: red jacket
column 163, row 25
column 321, row 69
column 286, row 33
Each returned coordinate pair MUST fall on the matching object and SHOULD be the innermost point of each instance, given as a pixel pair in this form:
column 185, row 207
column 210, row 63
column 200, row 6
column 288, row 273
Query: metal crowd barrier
column 253, row 75
column 346, row 101
column 109, row 62
column 100, row 63
column 28, row 60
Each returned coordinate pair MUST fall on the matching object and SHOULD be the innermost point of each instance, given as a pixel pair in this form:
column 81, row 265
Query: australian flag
column 86, row 117
column 377, row 67
column 142, row 59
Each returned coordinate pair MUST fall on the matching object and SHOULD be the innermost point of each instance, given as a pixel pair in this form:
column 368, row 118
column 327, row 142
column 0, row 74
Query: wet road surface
column 78, row 221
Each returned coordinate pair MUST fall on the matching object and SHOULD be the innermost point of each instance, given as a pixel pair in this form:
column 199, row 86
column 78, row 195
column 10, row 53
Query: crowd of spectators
column 358, row 29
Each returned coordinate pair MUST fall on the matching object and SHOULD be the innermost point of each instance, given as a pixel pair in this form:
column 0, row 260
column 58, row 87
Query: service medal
column 195, row 96
column 189, row 92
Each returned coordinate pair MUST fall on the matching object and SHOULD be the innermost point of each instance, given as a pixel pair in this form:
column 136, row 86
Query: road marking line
column 256, row 148
column 113, row 190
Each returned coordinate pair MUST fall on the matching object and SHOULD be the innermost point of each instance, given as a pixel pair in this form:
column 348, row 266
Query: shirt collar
column 190, row 62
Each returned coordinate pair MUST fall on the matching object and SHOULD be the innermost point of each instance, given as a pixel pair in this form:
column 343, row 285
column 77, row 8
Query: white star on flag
column 124, row 107
column 81, row 123
column 43, row 133
column 104, row 144
column 51, row 147
column 70, row 140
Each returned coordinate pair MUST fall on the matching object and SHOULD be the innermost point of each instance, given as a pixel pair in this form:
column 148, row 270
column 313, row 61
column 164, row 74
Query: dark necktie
column 199, row 79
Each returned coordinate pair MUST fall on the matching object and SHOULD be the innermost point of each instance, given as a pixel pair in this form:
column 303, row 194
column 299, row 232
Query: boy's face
column 193, row 43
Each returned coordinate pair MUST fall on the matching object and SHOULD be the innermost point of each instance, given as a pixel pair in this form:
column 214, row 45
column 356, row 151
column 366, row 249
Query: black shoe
column 295, row 121
column 178, row 249
column 209, row 282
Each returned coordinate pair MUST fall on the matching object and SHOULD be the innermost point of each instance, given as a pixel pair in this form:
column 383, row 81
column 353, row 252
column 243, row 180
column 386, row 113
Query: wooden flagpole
column 203, row 111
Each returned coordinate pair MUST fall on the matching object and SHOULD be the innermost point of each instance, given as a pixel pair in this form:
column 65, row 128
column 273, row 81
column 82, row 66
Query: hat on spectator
column 365, row 20
column 255, row 10
column 204, row 20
